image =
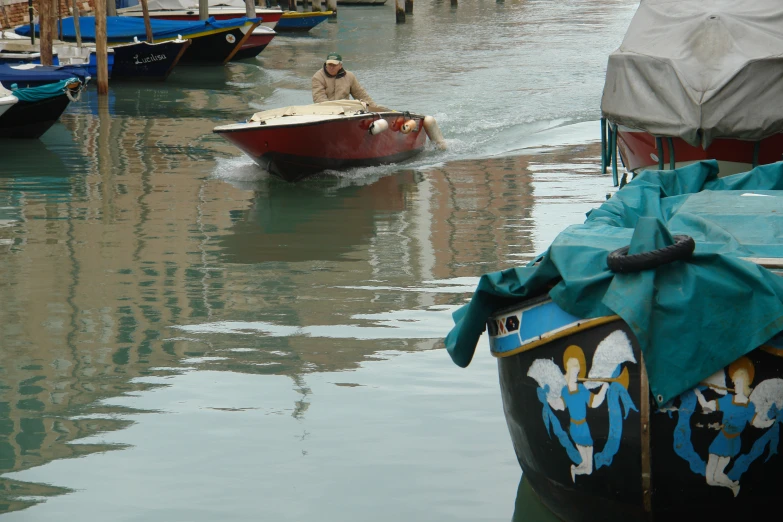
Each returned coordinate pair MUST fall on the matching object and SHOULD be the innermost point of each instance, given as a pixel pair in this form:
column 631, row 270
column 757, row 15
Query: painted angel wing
column 545, row 371
column 717, row 382
column 614, row 350
column 763, row 396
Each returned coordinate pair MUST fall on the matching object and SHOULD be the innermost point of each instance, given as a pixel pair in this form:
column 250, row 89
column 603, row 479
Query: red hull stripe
column 637, row 149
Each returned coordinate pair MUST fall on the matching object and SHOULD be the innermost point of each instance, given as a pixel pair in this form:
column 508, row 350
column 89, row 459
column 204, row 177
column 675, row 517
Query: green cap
column 334, row 59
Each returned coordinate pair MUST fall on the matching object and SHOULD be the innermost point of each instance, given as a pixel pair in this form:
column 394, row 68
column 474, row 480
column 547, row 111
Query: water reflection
column 316, row 221
column 126, row 260
column 128, row 265
column 527, row 506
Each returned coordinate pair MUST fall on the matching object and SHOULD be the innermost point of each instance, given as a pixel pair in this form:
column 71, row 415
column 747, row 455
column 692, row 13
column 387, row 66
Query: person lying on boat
column 332, row 82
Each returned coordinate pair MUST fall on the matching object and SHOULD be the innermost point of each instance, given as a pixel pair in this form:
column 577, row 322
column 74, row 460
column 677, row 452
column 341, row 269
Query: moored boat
column 257, row 42
column 34, row 75
column 129, row 61
column 16, row 49
column 212, row 41
column 301, row 22
column 189, row 10
column 295, row 142
column 641, row 356
column 147, row 61
column 705, row 87
column 37, row 108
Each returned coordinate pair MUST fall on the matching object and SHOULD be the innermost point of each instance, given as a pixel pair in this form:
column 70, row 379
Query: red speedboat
column 295, row 142
column 705, row 87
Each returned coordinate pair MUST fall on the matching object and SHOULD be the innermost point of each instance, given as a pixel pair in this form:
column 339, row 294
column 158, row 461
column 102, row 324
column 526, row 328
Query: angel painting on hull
column 577, row 399
column 740, row 407
column 737, row 411
column 571, row 391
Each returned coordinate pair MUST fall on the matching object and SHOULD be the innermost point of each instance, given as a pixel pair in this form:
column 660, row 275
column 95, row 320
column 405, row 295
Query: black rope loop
column 620, row 261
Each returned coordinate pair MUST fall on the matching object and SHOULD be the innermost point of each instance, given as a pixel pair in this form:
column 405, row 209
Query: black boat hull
column 620, row 457
column 216, row 48
column 145, row 61
column 30, row 120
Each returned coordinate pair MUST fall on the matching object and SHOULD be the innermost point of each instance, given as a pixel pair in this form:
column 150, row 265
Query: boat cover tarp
column 327, row 108
column 24, row 74
column 125, row 28
column 699, row 70
column 692, row 317
column 43, row 92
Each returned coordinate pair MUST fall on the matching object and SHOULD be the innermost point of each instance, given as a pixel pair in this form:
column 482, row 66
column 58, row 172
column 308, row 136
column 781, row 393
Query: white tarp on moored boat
column 699, row 70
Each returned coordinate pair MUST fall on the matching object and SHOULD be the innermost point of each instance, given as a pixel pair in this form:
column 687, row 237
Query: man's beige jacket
column 340, row 87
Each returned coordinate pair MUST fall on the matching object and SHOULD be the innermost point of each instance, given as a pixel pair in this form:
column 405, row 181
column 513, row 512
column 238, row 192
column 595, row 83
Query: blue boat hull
column 41, row 75
column 299, row 24
column 88, row 69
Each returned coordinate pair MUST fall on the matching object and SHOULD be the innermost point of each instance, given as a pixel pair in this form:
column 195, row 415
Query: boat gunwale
column 331, row 118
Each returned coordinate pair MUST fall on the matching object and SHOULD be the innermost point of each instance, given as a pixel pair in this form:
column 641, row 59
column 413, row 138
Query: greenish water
column 184, row 338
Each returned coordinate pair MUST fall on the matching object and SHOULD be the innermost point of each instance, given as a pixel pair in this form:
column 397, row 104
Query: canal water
column 184, row 338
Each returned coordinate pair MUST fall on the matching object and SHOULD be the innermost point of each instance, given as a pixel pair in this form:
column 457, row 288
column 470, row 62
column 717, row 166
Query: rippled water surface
column 184, row 338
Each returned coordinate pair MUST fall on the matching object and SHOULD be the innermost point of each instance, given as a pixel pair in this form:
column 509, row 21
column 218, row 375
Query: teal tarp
column 691, row 317
column 43, row 92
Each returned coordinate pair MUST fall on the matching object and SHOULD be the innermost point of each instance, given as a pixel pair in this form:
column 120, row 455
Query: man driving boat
column 332, row 82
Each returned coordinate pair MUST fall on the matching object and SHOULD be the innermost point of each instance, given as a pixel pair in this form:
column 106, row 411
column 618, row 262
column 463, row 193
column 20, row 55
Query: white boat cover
column 699, row 70
column 327, row 108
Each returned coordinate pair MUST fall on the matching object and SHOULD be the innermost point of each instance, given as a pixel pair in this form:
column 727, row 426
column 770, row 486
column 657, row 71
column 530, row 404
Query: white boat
column 6, row 99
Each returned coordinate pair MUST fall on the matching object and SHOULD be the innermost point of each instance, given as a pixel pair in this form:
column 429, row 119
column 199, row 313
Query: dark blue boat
column 147, row 61
column 32, row 75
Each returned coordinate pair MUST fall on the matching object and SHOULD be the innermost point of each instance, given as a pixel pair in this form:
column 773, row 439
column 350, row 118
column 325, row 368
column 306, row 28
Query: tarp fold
column 692, row 317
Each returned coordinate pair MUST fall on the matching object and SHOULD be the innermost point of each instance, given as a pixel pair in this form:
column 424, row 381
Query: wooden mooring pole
column 145, row 12
column 250, row 8
column 45, row 27
column 101, row 48
column 453, row 3
column 203, row 9
column 399, row 8
column 76, row 27
column 111, row 8
column 31, row 16
column 331, row 5
column 408, row 6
